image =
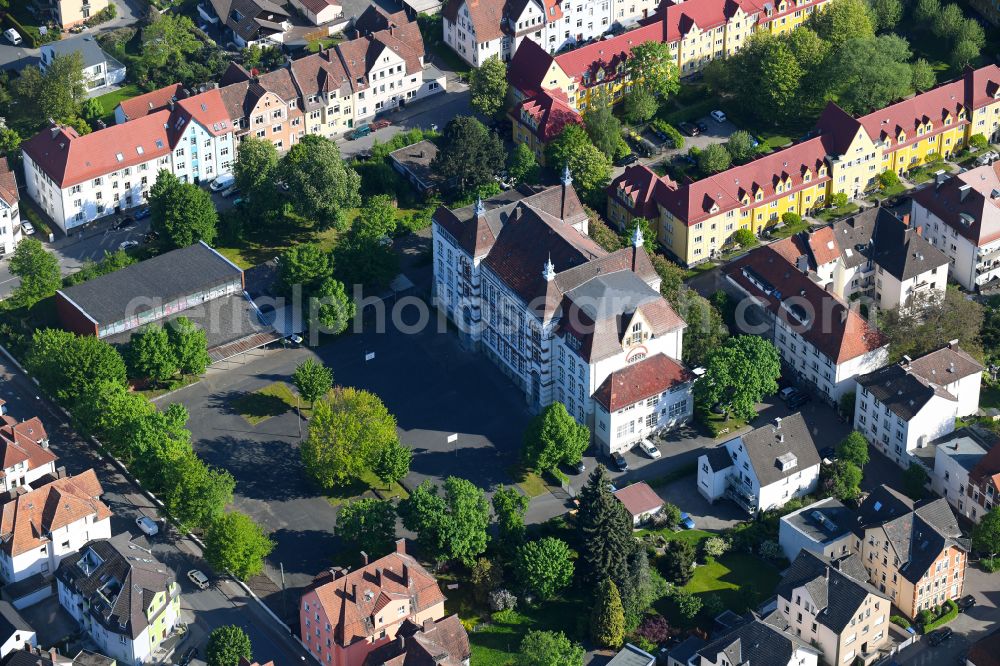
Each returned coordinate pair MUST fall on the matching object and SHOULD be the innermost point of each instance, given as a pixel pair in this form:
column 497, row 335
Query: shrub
column 932, row 157
column 502, row 600
column 991, row 564
column 770, row 550
column 978, row 142
column 673, row 134
column 947, row 613
column 715, row 546
column 838, row 200
column 899, row 621
column 925, row 617
column 654, row 628
column 506, row 616
column 668, row 516
column 888, row 178
column 791, row 219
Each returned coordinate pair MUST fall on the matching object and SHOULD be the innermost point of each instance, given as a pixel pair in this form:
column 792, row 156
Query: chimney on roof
column 401, row 546
column 777, row 422
column 952, row 344
column 54, row 129
column 171, row 104
column 963, row 192
column 364, row 558
column 428, row 624
column 906, row 219
column 378, row 576
column 906, row 359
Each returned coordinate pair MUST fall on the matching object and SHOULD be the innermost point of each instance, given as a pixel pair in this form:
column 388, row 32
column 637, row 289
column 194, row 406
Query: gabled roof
column 785, row 440
column 250, row 19
column 485, row 16
column 27, row 521
column 753, row 642
column 527, row 69
column 836, row 331
column 646, row 378
column 441, row 643
column 208, row 110
column 638, row 189
column 8, row 184
column 11, row 622
column 23, row 442
column 151, row 102
column 639, row 498
column 968, row 202
column 987, row 469
column 985, row 651
column 889, row 242
column 550, row 112
column 85, row 45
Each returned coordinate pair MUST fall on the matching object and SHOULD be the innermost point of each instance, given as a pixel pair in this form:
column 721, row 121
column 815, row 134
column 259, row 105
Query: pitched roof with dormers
column 969, row 203
column 351, row 601
column 151, row 102
column 24, row 442
column 546, row 114
column 441, row 643
column 486, row 17
column 27, row 520
column 8, row 184
column 639, row 189
column 753, row 642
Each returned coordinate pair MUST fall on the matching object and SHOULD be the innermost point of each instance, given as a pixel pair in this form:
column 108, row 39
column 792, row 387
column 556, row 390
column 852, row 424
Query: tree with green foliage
column 871, row 73
column 678, row 562
column 57, row 93
column 237, row 544
column 554, row 437
column 196, row 494
column 929, row 322
column 10, row 140
column 470, row 154
column 313, row 380
column 986, row 535
column 979, row 142
column 706, row 330
column 348, row 428
column 887, row 179
column 688, row 605
column 854, row 449
column 306, row 265
column 713, row 159
column 449, row 526
column 168, row 42
column 600, row 232
column 647, row 231
column 607, row 619
column 925, row 12
column 639, row 588
column 964, row 52
column 603, row 128
column 915, row 480
column 522, row 164
column 653, row 67
column 38, row 271
column 182, row 213
column 377, row 219
column 738, row 374
column 744, row 238
column 361, row 259
column 488, row 87
column 639, row 104
column 320, row 186
column 92, row 111
column 485, row 577
column 227, row 646
column 740, row 146
column 922, row 76
column 671, row 279
column 844, row 481
column 256, row 167
column 368, row 524
column 509, row 506
column 544, row 566
column 573, row 139
column 948, row 23
column 605, row 528
column 151, row 355
column 591, row 171
column 330, row 308
column 842, row 21
column 66, row 364
column 767, row 76
column 885, row 14
column 190, row 346
column 392, row 463
column 549, row 648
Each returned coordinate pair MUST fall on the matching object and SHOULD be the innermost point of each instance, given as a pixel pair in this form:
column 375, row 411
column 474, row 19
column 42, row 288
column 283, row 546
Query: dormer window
column 759, row 196
column 901, row 137
column 807, row 177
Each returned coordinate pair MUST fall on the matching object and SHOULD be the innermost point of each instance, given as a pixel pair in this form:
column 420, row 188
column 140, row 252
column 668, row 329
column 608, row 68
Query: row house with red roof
column 566, row 320
column 694, row 221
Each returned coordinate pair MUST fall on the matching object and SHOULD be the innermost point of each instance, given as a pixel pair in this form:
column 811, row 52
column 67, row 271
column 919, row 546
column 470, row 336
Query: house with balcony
column 960, row 215
column 762, row 469
column 830, row 603
column 100, row 70
column 70, row 13
column 903, row 407
column 963, row 468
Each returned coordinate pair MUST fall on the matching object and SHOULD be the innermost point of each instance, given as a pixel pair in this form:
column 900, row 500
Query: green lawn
column 926, row 172
column 829, row 214
column 692, row 536
column 112, row 99
column 272, row 400
column 989, row 396
column 787, row 230
column 317, row 45
column 527, row 480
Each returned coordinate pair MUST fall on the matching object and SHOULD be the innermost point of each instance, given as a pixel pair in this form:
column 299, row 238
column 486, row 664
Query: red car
column 379, row 124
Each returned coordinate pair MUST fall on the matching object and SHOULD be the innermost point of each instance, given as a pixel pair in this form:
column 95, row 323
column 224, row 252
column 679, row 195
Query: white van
column 222, row 182
column 12, row 36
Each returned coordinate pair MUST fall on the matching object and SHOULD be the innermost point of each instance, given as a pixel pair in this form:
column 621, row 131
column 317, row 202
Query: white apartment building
column 146, row 606
column 556, row 312
column 44, row 525
column 77, row 179
column 24, row 448
column 903, row 407
column 100, row 70
column 830, row 603
column 10, row 212
column 823, row 528
column 960, row 215
column 15, row 632
column 824, row 342
column 957, row 456
column 764, row 468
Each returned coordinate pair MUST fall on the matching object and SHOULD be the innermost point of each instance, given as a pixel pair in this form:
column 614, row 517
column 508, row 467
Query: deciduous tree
column 915, row 481
column 740, row 146
column 603, row 128
column 392, row 463
column 844, row 482
column 713, row 159
column 452, row 525
column 227, row 645
column 151, row 355
column 182, row 213
column 854, row 449
column 66, row 364
column 190, row 346
column 369, row 525
column 237, row 544
column 312, row 380
column 197, row 494
column 38, row 270
column 522, row 165
column 320, row 185
column 509, row 506
column 549, row 648
column 843, row 20
column 654, row 68
column 639, row 105
column 56, row 93
column 305, row 264
column 544, row 566
column 488, row 87
column 553, row 438
column 470, row 154
column 929, row 322
column 738, row 374
column 256, row 167
column 986, row 535
column 870, row 73
column 886, row 13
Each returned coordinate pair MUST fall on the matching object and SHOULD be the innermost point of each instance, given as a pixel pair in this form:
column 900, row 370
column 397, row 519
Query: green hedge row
column 27, row 35
column 950, row 612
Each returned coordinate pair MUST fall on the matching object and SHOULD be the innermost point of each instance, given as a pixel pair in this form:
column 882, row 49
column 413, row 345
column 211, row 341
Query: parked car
column 788, row 393
column 222, row 182
column 702, row 125
column 966, row 602
column 718, row 116
column 988, row 158
column 627, row 160
column 127, row 222
column 798, row 400
column 381, row 123
column 12, row 36
column 188, row 656
column 28, row 228
column 581, row 467
column 142, row 213
column 359, row 132
column 128, row 245
column 689, row 129
column 147, row 525
column 940, row 636
column 687, row 522
column 230, row 191
column 649, row 449
column 620, row 462
column 828, row 454
column 199, row 579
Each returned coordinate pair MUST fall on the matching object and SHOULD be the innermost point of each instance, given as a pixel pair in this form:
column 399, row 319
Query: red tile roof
column 209, row 110
column 607, row 54
column 485, row 16
column 8, row 183
column 69, row 158
column 639, row 498
column 551, row 112
column 151, row 102
column 638, row 189
column 23, row 442
column 650, row 376
column 987, row 469
column 824, row 246
column 830, row 326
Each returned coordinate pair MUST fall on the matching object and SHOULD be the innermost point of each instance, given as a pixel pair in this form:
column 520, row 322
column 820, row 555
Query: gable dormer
column 637, row 331
column 744, row 197
column 901, row 136
column 758, row 192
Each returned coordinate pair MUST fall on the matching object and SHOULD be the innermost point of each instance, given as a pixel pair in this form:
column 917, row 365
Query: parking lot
column 714, row 132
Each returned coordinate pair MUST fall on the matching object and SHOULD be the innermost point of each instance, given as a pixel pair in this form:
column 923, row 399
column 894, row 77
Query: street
column 224, row 603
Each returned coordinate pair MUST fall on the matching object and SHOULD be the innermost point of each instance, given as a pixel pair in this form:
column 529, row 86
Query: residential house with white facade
column 824, row 528
column 126, row 600
column 830, row 603
column 825, row 343
column 15, row 632
column 24, row 452
column 10, row 211
column 559, row 314
column 100, row 70
column 960, row 215
column 764, row 468
column 962, row 462
column 903, row 407
column 912, row 551
column 757, row 641
column 253, row 22
column 41, row 527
